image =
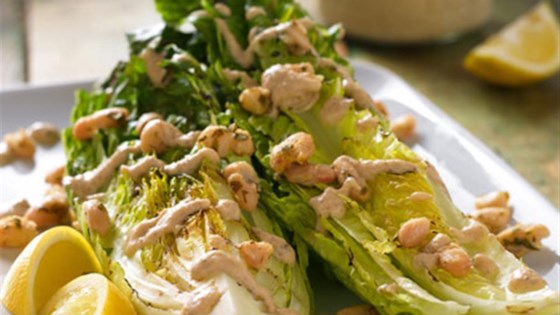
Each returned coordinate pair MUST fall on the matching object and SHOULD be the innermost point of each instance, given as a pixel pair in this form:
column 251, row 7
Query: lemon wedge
column 90, row 294
column 524, row 52
column 50, row 261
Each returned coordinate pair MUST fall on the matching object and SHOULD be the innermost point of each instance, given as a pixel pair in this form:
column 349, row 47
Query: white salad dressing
column 352, row 88
column 331, row 202
column 282, row 250
column 334, row 109
column 187, row 165
column 293, row 33
column 353, row 174
column 158, row 135
column 143, row 166
column 191, row 163
column 202, row 301
column 217, row 261
column 367, row 123
column 293, row 87
column 170, row 220
column 91, row 181
column 228, row 209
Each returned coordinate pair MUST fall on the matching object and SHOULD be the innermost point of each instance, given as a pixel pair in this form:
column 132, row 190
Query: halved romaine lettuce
column 359, row 247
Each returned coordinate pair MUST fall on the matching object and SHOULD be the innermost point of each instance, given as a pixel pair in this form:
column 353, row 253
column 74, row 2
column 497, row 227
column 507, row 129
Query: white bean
column 297, row 148
column 86, row 127
column 44, row 133
column 413, row 232
column 493, row 199
column 16, row 231
column 255, row 254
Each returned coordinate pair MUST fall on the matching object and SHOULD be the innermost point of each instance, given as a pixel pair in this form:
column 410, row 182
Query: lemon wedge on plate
column 50, row 261
column 524, row 52
column 91, row 294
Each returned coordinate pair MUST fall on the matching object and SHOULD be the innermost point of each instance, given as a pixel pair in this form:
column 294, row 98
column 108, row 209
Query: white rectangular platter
column 467, row 166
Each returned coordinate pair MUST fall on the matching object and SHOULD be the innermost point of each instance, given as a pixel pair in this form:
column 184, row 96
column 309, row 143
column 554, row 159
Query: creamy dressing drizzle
column 334, row 109
column 293, row 87
column 293, row 33
column 282, row 250
column 228, row 209
column 217, row 261
column 234, row 75
column 353, row 174
column 191, row 163
column 91, row 181
column 367, row 123
column 170, row 220
column 202, row 301
column 143, row 166
column 351, row 87
column 253, row 12
column 331, row 202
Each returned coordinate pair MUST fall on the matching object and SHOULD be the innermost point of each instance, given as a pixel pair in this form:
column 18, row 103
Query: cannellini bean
column 145, row 119
column 256, row 100
column 413, row 232
column 224, row 140
column 6, row 157
column 310, row 174
column 44, row 133
column 16, row 231
column 44, row 218
column 521, row 239
column 404, row 127
column 381, row 108
column 485, row 265
column 358, row 310
column 475, row 233
column 18, row 207
column 86, row 127
column 525, row 280
column 255, row 254
column 218, row 138
column 97, row 217
column 438, row 243
column 242, row 143
column 495, row 218
column 297, row 148
column 455, row 260
column 20, row 145
column 217, row 242
column 493, row 199
column 243, row 181
column 55, row 176
column 55, row 210
column 158, row 136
